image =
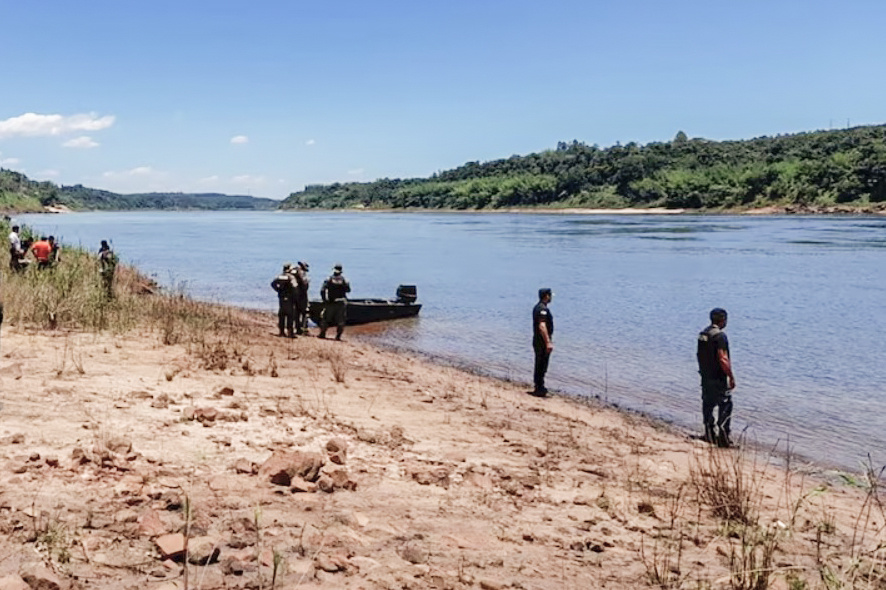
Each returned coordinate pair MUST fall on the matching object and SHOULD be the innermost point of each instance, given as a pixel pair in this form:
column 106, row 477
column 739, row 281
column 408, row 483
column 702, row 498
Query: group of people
column 46, row 251
column 292, row 286
column 712, row 353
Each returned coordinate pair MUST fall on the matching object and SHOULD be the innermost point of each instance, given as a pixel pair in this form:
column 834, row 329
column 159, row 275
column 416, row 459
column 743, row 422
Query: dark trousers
column 542, row 357
column 715, row 395
column 285, row 317
column 334, row 312
column 301, row 314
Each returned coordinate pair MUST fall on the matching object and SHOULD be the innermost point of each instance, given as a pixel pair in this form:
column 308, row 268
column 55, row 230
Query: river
column 805, row 296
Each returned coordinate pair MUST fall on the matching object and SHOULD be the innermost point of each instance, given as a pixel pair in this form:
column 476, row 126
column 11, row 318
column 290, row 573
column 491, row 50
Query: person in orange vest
column 42, row 250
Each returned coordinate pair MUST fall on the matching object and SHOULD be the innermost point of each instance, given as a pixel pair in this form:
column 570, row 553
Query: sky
column 265, row 97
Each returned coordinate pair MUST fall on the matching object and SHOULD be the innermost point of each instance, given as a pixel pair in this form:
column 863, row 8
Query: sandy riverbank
column 415, row 476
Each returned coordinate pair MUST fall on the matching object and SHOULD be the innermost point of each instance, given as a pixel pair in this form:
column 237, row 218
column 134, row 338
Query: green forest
column 19, row 193
column 819, row 168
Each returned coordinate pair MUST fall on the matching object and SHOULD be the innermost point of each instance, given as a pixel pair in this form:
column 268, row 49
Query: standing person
column 302, row 283
column 55, row 256
column 334, row 294
column 542, row 339
column 284, row 285
column 42, row 250
column 108, row 262
column 16, row 252
column 717, row 380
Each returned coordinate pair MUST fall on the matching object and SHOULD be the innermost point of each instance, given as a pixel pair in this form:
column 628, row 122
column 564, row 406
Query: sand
column 115, row 445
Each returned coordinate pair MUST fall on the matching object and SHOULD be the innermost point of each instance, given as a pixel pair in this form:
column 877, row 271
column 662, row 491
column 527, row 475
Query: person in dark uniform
column 334, row 293
column 108, row 263
column 717, row 380
column 542, row 339
column 302, row 282
column 284, row 285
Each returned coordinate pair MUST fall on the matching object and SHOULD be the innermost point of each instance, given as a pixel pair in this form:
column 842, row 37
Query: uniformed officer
column 717, row 380
column 302, row 282
column 334, row 294
column 542, row 339
column 284, row 285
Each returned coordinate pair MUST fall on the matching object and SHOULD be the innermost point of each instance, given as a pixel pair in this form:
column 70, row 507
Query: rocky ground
column 260, row 462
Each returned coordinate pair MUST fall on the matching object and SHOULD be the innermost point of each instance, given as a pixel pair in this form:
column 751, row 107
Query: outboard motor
column 407, row 293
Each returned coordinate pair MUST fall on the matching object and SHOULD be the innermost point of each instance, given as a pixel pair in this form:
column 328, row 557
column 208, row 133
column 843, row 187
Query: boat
column 364, row 311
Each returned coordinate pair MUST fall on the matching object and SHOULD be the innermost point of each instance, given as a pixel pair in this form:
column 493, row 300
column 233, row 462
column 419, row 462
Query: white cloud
column 355, row 172
column 310, row 142
column 9, row 161
column 48, row 173
column 137, row 171
column 209, row 179
column 237, row 139
column 248, row 179
column 82, row 142
column 36, row 125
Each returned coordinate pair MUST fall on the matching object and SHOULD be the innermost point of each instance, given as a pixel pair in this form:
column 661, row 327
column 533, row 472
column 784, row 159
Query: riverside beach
column 192, row 449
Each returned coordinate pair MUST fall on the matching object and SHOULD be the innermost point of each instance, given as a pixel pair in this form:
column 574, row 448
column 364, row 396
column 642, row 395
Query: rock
column 14, row 439
column 244, row 465
column 126, row 515
column 162, row 401
column 234, row 566
column 150, row 524
column 430, row 475
column 298, row 485
column 78, row 456
column 487, row 584
column 51, row 461
column 414, row 553
column 205, row 415
column 337, row 448
column 331, row 563
column 40, row 578
column 338, row 458
column 225, row 391
column 189, row 413
column 646, row 508
column 172, row 500
column 34, row 457
column 13, row 582
column 326, row 484
column 119, row 444
column 363, row 564
column 171, row 546
column 203, row 550
column 282, row 466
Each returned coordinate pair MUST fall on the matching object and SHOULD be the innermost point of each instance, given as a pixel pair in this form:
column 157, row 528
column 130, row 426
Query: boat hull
column 364, row 311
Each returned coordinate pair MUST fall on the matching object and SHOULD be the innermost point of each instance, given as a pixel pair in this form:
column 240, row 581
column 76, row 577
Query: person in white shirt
column 15, row 243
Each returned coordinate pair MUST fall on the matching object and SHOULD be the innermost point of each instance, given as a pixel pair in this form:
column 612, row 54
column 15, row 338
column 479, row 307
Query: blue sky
column 262, row 98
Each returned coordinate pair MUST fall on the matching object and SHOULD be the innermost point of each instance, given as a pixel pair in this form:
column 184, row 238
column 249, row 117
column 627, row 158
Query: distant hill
column 819, row 168
column 18, row 193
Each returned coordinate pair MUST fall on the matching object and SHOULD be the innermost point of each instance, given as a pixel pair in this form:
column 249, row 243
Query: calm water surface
column 805, row 295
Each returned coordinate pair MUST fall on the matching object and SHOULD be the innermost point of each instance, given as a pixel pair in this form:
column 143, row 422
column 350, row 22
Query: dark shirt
column 335, row 288
column 284, row 285
column 711, row 340
column 541, row 313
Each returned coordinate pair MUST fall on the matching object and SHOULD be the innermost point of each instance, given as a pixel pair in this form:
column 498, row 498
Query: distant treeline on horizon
column 819, row 168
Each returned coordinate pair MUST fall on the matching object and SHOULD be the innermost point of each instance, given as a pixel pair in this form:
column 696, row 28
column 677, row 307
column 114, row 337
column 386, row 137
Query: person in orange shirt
column 42, row 249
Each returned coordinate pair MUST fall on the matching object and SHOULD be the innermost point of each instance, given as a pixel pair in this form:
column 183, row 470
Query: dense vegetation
column 18, row 193
column 816, row 168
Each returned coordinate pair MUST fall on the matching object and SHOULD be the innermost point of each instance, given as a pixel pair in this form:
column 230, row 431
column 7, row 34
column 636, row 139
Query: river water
column 805, row 295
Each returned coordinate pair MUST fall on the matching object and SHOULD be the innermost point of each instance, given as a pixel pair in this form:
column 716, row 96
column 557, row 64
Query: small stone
column 51, row 461
column 225, row 391
column 203, row 550
column 40, row 578
column 414, row 553
column 244, row 465
column 34, row 457
column 487, row 584
column 327, row 564
column 171, row 546
column 120, row 445
column 126, row 515
column 298, row 485
column 150, row 524
column 282, row 466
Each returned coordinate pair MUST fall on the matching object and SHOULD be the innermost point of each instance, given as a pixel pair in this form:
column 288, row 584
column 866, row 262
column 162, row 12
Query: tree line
column 19, row 193
column 817, row 168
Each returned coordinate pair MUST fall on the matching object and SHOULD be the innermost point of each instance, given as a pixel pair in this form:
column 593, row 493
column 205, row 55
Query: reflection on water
column 805, row 296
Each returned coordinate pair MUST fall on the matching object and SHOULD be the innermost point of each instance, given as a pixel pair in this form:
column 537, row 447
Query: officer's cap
column 718, row 313
column 544, row 291
column 337, row 267
column 304, row 265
